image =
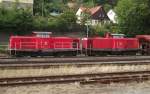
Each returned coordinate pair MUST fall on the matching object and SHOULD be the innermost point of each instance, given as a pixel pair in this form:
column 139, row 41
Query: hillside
column 41, row 6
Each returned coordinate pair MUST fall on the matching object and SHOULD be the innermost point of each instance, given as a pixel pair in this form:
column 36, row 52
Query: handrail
column 63, row 44
column 57, row 45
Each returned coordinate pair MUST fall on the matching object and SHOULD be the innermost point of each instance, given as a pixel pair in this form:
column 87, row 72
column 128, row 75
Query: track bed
column 83, row 79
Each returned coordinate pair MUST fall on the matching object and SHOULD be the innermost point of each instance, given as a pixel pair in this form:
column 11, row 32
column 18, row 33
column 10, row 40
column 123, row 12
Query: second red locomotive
column 110, row 44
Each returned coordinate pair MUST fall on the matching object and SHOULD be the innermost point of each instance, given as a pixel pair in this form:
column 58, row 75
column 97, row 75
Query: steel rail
column 69, row 60
column 76, row 64
column 67, row 57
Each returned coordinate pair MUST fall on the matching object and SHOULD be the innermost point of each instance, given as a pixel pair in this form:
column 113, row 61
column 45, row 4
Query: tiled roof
column 94, row 9
column 91, row 10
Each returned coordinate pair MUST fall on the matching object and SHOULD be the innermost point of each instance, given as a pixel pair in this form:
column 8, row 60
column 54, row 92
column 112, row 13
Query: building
column 96, row 15
column 18, row 3
column 112, row 16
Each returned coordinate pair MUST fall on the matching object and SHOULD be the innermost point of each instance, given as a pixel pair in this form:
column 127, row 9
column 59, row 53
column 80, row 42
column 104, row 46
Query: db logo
column 45, row 43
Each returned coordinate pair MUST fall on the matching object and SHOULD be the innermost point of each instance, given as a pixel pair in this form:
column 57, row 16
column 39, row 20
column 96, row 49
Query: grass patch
column 3, row 49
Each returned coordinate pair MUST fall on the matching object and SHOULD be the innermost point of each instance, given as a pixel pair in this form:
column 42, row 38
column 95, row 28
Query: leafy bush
column 101, row 29
column 17, row 20
column 3, row 49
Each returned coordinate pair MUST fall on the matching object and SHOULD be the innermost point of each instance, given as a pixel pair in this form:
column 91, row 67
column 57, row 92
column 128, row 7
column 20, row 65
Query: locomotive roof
column 118, row 34
column 42, row 32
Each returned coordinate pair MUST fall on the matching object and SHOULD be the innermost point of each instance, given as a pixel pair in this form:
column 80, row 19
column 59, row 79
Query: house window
column 103, row 15
column 100, row 15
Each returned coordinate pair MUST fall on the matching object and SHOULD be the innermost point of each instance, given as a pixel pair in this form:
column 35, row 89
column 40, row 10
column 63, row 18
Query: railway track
column 48, row 66
column 73, row 61
column 81, row 78
column 27, row 60
column 75, row 64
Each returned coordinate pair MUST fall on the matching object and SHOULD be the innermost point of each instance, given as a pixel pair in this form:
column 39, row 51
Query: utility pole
column 87, row 31
column 42, row 7
column 93, row 3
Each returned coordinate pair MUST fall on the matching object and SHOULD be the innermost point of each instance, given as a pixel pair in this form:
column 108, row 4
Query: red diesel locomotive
column 44, row 44
column 110, row 44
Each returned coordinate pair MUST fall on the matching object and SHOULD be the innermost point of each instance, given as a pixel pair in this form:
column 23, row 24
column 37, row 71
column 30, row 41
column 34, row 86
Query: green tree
column 44, row 7
column 133, row 16
column 107, row 7
column 67, row 21
column 16, row 20
column 40, row 23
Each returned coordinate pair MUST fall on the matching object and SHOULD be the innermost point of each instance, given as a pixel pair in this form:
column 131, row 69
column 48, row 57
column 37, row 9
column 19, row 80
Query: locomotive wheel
column 91, row 53
column 62, row 54
column 131, row 53
column 74, row 53
column 102, row 54
column 12, row 53
column 56, row 54
column 18, row 54
column 33, row 55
